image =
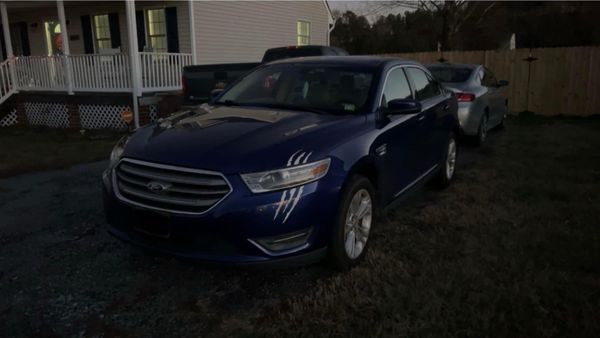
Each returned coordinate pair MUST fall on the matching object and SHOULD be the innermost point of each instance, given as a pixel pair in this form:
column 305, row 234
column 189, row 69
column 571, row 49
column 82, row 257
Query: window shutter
column 141, row 30
column 2, row 46
column 172, row 35
column 24, row 38
column 88, row 39
column 115, row 32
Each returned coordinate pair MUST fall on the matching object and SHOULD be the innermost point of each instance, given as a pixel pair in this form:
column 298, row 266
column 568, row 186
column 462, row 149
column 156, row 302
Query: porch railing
column 101, row 73
column 6, row 84
column 40, row 73
column 95, row 72
column 162, row 71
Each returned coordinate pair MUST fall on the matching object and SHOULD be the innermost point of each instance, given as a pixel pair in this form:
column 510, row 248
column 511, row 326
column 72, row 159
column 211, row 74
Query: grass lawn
column 510, row 249
column 27, row 149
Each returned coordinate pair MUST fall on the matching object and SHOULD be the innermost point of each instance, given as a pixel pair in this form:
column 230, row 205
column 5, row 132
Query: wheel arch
column 367, row 167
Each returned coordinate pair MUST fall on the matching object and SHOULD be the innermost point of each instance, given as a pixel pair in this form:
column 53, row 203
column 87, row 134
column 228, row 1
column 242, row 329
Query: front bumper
column 231, row 231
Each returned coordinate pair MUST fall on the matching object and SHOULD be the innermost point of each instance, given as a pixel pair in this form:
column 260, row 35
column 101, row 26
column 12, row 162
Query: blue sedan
column 293, row 162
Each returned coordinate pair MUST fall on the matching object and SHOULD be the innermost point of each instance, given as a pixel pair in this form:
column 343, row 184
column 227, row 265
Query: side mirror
column 502, row 83
column 215, row 92
column 402, row 107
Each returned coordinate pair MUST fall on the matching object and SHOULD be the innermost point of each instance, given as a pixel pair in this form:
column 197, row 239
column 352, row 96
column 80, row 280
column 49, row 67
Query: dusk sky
column 366, row 7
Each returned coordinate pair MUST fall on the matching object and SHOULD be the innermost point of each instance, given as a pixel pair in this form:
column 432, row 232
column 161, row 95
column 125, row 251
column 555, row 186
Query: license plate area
column 152, row 223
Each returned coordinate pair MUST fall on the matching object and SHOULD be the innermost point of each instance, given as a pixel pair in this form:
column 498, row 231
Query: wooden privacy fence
column 564, row 81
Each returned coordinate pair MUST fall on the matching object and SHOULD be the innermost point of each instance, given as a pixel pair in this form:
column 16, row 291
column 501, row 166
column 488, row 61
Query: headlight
column 287, row 177
column 117, row 152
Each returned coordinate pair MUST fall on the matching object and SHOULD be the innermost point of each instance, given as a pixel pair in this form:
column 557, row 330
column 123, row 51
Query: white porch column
column 136, row 74
column 65, row 45
column 192, row 32
column 8, row 44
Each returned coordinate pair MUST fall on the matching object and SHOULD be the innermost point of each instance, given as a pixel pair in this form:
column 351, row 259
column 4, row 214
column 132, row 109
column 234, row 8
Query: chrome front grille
column 169, row 188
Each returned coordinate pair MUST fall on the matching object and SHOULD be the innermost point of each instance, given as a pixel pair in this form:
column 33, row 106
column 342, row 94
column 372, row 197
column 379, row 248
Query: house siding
column 226, row 31
column 238, row 31
column 73, row 14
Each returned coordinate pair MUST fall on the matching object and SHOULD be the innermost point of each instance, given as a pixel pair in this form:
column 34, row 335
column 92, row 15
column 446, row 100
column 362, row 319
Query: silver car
column 482, row 100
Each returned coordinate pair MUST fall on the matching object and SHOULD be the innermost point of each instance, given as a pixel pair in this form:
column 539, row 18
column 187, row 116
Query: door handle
column 446, row 107
column 422, row 117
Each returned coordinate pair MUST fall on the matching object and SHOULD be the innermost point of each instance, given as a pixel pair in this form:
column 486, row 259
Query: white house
column 81, row 63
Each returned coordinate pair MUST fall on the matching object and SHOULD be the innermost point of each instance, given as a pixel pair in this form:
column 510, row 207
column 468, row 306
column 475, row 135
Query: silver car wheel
column 358, row 223
column 451, row 159
column 483, row 131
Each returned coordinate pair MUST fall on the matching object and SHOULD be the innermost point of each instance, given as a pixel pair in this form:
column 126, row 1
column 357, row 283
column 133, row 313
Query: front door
column 398, row 144
column 428, row 93
column 495, row 97
column 53, row 38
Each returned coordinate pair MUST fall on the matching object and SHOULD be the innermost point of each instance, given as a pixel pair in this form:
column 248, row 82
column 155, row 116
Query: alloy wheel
column 358, row 223
column 451, row 158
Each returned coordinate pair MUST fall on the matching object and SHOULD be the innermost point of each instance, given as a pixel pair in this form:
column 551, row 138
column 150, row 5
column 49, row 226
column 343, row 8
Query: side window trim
column 491, row 74
column 428, row 75
column 385, row 82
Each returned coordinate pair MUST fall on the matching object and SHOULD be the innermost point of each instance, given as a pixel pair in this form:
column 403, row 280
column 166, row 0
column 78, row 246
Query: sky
column 365, row 7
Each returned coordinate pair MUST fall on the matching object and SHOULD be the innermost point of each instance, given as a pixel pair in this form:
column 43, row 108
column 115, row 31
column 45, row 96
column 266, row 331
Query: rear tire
column 482, row 130
column 447, row 166
column 356, row 215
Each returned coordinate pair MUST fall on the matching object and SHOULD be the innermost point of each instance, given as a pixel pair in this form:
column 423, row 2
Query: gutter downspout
column 331, row 28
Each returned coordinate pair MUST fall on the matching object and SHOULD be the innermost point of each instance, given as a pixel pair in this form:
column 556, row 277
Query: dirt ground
column 511, row 248
column 28, row 149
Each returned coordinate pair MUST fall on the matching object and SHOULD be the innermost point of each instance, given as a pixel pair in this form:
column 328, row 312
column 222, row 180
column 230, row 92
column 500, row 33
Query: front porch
column 143, row 66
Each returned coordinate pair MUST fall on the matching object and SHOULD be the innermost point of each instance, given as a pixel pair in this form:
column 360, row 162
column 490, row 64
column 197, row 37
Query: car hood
column 240, row 139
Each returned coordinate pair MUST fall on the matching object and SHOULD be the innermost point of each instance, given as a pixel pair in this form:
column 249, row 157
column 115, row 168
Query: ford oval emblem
column 158, row 187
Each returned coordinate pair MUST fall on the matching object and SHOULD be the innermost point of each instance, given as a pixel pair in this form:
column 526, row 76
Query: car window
column 396, row 87
column 489, row 80
column 425, row 86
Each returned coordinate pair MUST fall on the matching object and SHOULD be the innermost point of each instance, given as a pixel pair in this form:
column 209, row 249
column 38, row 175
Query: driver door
column 398, row 144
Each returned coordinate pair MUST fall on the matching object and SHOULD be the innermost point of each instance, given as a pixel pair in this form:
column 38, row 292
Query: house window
column 102, row 32
column 303, row 28
column 157, row 30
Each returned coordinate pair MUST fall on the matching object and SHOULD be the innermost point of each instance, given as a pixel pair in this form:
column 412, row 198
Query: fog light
column 283, row 244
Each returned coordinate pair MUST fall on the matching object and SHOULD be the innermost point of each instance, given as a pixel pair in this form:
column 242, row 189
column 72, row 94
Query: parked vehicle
column 292, row 162
column 200, row 82
column 482, row 100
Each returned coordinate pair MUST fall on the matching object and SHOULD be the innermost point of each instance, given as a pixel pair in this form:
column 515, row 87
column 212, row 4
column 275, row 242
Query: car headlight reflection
column 287, row 177
column 117, row 152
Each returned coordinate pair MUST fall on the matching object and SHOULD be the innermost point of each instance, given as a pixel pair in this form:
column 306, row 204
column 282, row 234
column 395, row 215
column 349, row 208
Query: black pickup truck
column 200, row 81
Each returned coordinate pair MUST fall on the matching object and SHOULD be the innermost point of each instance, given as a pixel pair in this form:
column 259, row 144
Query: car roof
column 452, row 65
column 350, row 60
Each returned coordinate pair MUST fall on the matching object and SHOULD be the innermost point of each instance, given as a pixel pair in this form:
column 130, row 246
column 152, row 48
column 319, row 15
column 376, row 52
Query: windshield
column 328, row 89
column 451, row 74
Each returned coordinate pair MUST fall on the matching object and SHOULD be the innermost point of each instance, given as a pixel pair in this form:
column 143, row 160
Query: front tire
column 502, row 125
column 355, row 218
column 448, row 164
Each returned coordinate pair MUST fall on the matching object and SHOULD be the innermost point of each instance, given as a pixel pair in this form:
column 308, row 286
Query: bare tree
column 453, row 14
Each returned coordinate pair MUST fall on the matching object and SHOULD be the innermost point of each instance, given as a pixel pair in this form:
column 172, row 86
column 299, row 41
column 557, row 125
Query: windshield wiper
column 294, row 107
